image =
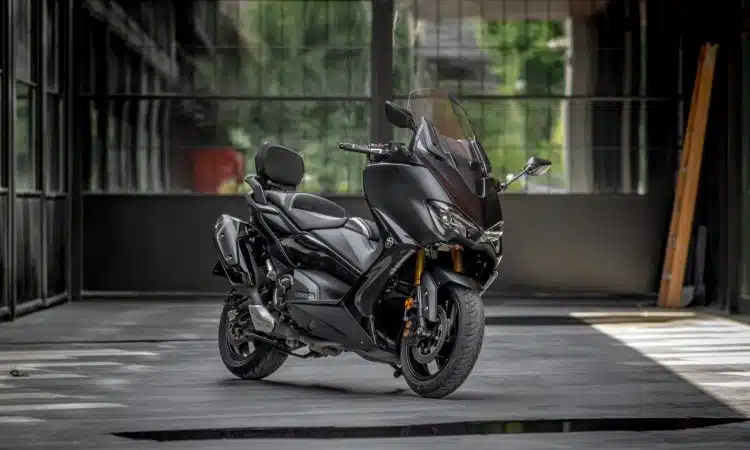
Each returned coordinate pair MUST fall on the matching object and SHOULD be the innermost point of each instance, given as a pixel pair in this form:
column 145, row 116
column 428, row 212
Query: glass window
column 52, row 48
column 55, row 158
column 126, row 150
column 142, row 145
column 95, row 159
column 113, row 148
column 540, row 64
column 223, row 149
column 155, row 147
column 25, row 137
column 25, row 45
column 288, row 47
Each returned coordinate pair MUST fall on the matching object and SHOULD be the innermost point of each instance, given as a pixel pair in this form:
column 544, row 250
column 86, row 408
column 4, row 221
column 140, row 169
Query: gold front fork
column 457, row 258
column 458, row 267
column 418, row 269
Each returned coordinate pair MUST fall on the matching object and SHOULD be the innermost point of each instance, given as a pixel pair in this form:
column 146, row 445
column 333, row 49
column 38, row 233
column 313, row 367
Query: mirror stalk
column 504, row 184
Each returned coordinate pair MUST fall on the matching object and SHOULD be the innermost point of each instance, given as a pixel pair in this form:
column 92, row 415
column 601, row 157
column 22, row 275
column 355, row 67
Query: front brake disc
column 434, row 343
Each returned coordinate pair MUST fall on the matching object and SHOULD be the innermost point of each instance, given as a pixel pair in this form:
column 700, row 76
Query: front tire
column 250, row 361
column 459, row 350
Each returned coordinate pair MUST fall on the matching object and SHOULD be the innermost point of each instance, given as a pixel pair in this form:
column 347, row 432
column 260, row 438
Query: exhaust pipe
column 262, row 319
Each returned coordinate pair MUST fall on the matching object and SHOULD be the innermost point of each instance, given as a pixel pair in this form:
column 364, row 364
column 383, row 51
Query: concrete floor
column 95, row 369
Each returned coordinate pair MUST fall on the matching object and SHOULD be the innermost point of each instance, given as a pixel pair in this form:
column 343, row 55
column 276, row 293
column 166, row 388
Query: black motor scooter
column 309, row 280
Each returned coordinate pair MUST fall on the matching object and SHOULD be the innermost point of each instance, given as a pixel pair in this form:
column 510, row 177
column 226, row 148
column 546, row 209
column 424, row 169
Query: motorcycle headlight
column 493, row 235
column 449, row 219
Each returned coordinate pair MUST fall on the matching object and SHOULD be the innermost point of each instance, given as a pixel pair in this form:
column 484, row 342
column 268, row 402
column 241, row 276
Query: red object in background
column 215, row 166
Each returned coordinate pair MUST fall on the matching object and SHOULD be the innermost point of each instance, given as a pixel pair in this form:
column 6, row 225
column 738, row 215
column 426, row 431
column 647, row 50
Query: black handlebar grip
column 354, row 148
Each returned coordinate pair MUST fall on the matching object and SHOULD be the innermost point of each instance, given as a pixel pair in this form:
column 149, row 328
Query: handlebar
column 358, row 148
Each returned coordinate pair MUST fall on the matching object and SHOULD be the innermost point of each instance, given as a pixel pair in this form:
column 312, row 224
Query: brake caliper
column 409, row 336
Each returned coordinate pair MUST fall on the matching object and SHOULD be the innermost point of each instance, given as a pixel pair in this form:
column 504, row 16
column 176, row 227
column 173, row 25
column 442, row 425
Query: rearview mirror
column 399, row 117
column 536, row 166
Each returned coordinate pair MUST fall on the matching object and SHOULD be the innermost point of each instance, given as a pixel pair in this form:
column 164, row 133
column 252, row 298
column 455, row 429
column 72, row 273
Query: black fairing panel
column 360, row 251
column 483, row 209
column 401, row 191
column 308, row 252
column 442, row 277
column 332, row 322
column 491, row 207
column 316, row 287
column 229, row 235
column 280, row 225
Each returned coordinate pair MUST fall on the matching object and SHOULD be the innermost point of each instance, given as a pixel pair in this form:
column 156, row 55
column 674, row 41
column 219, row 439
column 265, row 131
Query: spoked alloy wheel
column 437, row 366
column 239, row 351
column 429, row 356
column 246, row 360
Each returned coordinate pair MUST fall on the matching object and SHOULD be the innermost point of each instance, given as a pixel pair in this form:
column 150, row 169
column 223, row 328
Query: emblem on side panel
column 389, row 242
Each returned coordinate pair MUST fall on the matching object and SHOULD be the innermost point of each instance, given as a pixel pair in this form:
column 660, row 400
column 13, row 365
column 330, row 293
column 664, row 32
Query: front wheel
column 436, row 367
column 248, row 360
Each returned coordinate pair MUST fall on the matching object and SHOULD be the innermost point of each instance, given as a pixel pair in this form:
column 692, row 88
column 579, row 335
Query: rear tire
column 459, row 352
column 249, row 362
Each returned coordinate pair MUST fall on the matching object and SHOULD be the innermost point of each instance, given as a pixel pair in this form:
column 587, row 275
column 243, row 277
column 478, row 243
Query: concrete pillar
column 577, row 112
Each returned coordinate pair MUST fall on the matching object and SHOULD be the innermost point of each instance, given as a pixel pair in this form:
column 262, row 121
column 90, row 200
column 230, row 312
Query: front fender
column 438, row 277
column 442, row 277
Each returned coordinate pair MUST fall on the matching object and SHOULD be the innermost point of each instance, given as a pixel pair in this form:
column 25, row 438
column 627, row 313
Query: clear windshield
column 451, row 124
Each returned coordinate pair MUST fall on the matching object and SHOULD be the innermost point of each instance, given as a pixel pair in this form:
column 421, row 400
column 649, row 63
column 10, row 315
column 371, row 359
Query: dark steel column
column 9, row 92
column 74, row 158
column 731, row 185
column 41, row 32
column 4, row 147
column 381, row 66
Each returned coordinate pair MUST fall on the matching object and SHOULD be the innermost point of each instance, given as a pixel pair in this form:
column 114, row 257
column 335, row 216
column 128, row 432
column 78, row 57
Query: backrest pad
column 279, row 165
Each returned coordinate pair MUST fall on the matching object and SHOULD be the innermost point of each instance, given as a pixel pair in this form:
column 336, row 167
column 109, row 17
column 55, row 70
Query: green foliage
column 524, row 63
column 299, row 48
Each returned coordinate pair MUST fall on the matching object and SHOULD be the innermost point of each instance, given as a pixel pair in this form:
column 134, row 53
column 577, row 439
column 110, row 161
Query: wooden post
column 678, row 240
column 681, row 171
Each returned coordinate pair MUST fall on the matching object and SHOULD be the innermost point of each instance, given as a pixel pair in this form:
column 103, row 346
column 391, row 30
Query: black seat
column 308, row 211
column 282, row 169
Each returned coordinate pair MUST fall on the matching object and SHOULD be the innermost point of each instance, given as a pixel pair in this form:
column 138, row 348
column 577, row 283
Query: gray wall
column 555, row 244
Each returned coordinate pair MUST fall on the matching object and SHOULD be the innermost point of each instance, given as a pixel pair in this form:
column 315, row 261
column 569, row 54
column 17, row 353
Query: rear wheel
column 248, row 360
column 436, row 367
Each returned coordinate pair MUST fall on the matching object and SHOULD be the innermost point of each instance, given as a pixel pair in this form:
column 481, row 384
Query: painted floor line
column 678, row 331
column 18, row 420
column 58, row 407
column 30, row 396
column 728, row 384
column 685, row 342
column 706, row 362
column 690, row 355
column 737, row 374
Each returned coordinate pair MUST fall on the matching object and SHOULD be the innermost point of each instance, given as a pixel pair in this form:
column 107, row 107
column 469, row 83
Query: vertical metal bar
column 731, row 182
column 5, row 146
column 9, row 91
column 41, row 32
column 102, row 87
column 744, row 62
column 381, row 68
column 642, row 106
column 74, row 158
column 626, row 170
